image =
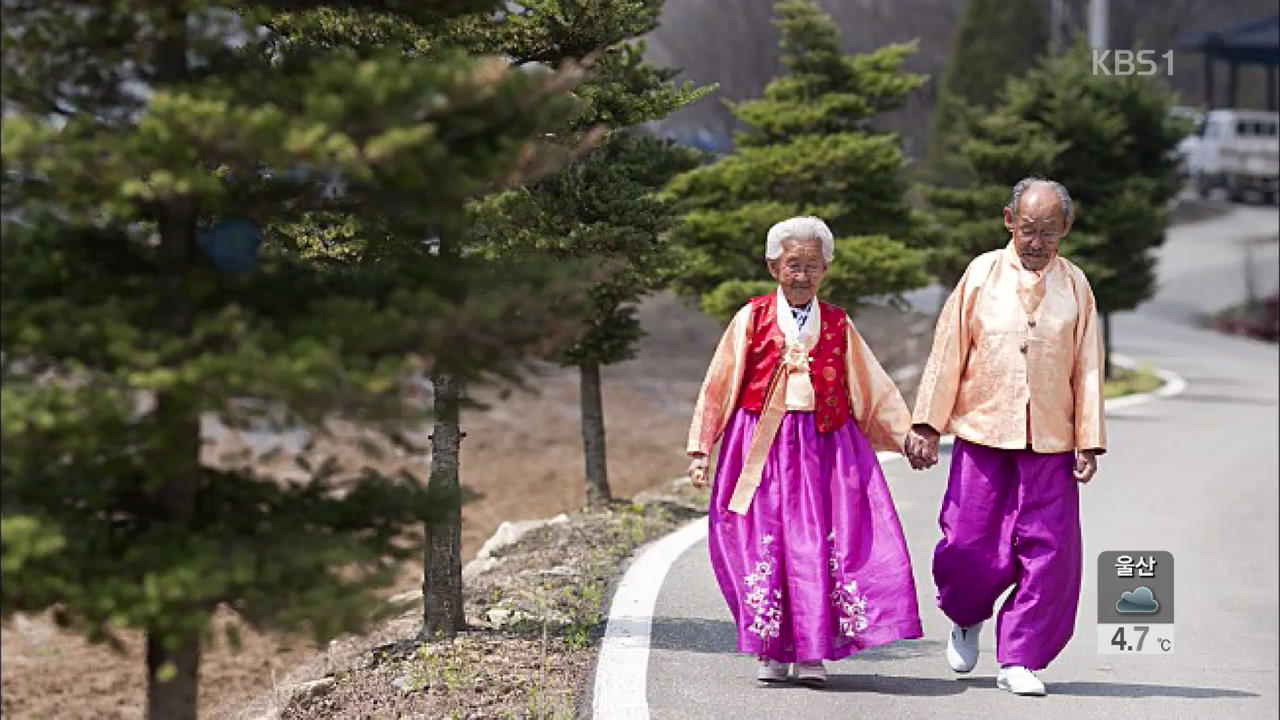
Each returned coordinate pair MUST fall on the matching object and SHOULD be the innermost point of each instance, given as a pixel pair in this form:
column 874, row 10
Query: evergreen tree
column 527, row 35
column 809, row 148
column 147, row 149
column 995, row 40
column 1108, row 139
column 603, row 208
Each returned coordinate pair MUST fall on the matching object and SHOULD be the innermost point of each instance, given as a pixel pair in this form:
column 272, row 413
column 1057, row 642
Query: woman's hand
column 698, row 471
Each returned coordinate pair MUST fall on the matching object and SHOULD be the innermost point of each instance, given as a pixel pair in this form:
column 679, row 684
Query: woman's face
column 799, row 270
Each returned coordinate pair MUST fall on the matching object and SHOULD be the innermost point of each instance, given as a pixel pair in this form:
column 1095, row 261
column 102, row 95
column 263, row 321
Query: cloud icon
column 1141, row 600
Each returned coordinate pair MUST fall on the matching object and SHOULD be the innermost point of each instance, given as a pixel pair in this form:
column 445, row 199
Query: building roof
column 1255, row 41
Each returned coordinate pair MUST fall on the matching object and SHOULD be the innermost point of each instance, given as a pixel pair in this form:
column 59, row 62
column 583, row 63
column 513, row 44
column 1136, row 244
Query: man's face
column 1038, row 226
column 799, row 270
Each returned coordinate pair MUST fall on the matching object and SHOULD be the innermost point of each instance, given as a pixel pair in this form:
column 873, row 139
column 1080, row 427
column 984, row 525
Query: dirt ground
column 522, row 454
column 533, row 617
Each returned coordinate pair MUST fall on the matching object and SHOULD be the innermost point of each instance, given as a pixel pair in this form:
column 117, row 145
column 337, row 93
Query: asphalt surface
column 1195, row 474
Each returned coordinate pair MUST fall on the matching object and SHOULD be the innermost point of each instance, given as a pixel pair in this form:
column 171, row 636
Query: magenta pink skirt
column 817, row 569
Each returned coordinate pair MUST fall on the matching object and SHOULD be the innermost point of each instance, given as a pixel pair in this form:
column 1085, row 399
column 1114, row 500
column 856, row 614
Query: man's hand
column 1086, row 466
column 698, row 471
column 922, row 447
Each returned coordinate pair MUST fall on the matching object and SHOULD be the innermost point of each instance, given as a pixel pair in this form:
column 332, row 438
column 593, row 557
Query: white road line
column 622, row 667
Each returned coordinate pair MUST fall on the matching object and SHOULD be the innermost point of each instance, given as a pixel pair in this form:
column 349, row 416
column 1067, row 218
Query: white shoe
column 962, row 647
column 1019, row 681
column 772, row 671
column 812, row 673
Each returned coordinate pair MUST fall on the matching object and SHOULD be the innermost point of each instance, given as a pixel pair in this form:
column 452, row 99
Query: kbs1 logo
column 1130, row 62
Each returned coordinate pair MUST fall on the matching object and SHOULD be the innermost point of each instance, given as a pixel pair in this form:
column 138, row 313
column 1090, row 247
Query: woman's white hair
column 800, row 228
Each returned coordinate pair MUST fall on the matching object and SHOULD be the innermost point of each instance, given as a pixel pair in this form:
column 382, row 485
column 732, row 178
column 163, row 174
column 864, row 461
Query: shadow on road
column 893, row 685
column 1119, row 689
column 1227, row 399
column 704, row 635
column 904, row 650
column 1137, row 690
column 939, row 687
column 693, row 635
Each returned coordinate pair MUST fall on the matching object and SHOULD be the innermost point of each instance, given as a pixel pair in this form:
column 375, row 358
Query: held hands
column 922, row 447
column 1086, row 466
column 698, row 471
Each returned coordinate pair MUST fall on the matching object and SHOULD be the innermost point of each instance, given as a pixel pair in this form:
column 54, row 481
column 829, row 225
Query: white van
column 1238, row 150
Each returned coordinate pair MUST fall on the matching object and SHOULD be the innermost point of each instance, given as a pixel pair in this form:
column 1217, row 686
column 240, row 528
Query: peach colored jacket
column 875, row 405
column 1008, row 344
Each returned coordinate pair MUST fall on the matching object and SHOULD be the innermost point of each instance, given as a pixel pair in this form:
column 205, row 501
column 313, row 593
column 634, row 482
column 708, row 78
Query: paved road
column 1194, row 474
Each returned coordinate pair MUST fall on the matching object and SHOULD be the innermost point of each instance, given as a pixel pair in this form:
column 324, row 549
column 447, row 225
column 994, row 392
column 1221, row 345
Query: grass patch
column 533, row 625
column 1142, row 379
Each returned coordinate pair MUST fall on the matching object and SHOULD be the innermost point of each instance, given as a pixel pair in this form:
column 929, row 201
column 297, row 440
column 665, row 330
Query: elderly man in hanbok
column 804, row 538
column 1016, row 374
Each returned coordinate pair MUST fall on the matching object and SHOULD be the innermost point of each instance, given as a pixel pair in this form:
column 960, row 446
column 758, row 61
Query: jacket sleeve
column 875, row 403
column 940, row 381
column 1087, row 381
column 719, row 394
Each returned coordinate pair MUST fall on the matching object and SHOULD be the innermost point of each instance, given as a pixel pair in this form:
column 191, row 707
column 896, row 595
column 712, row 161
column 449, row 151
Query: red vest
column 826, row 361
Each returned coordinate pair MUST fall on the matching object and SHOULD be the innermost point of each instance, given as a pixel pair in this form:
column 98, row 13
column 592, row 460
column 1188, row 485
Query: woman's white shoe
column 1019, row 681
column 772, row 671
column 812, row 673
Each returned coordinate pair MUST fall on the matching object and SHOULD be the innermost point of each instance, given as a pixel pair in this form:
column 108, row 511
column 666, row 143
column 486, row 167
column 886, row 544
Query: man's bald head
column 1038, row 216
column 1040, row 186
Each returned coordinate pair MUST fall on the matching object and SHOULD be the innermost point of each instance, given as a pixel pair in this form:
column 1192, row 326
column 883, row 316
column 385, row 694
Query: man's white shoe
column 962, row 647
column 772, row 671
column 813, row 673
column 1019, row 681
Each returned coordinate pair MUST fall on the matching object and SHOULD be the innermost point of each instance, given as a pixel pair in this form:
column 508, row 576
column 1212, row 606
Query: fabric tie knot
column 796, row 358
column 799, row 386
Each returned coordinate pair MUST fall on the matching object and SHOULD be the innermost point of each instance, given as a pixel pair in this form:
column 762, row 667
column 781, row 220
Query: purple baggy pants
column 1011, row 517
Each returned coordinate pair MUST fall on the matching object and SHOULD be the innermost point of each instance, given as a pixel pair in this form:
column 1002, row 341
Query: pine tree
column 602, row 208
column 1108, row 139
column 995, row 40
column 526, row 37
column 147, row 151
column 809, row 148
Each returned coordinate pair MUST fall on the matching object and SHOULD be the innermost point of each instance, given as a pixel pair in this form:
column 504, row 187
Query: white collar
column 787, row 322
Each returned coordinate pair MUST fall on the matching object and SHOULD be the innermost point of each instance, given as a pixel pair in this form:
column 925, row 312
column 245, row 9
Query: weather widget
column 1135, row 602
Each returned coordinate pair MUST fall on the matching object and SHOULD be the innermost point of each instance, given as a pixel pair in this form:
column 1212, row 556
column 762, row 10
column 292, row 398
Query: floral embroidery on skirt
column 764, row 599
column 851, row 604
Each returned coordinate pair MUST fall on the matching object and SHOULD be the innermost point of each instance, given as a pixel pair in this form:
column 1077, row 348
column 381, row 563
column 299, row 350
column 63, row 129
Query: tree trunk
column 593, row 444
column 173, row 663
column 173, row 698
column 1106, row 345
column 442, row 610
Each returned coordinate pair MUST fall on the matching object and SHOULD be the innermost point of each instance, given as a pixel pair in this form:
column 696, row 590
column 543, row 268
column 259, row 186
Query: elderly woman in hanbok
column 804, row 537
